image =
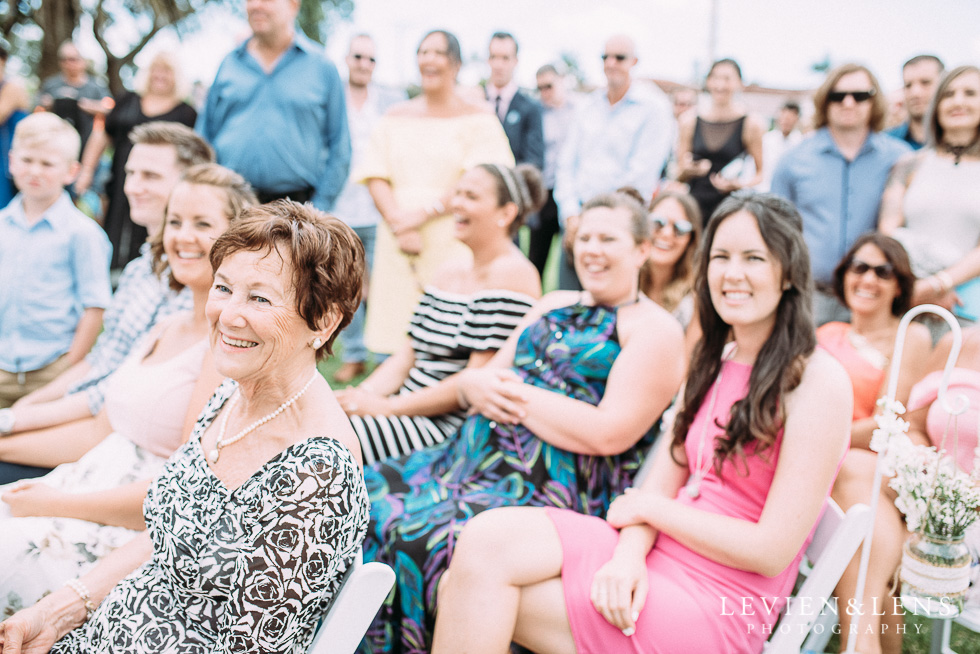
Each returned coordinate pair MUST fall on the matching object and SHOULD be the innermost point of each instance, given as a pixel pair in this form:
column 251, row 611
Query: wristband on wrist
column 82, row 591
column 945, row 281
column 6, row 421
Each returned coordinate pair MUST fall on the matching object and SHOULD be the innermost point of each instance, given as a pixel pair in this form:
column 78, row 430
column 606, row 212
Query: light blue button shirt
column 285, row 130
column 838, row 199
column 610, row 146
column 50, row 272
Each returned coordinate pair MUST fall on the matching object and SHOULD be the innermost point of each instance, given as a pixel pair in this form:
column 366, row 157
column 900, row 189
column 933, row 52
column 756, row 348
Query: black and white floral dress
column 243, row 570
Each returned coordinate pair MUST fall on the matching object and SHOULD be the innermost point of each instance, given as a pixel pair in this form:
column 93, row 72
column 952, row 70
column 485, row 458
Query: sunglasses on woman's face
column 681, row 227
column 859, row 96
column 884, row 271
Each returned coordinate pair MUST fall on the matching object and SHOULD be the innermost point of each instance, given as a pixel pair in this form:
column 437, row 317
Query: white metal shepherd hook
column 955, row 407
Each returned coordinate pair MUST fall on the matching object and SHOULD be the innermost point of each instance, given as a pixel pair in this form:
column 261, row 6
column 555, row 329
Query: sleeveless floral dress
column 420, row 503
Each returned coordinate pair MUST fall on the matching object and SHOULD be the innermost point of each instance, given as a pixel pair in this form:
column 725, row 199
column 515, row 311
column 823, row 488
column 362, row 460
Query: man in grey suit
column 519, row 114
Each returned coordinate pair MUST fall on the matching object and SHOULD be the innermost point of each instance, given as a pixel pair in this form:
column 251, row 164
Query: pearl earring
column 502, row 223
column 317, row 343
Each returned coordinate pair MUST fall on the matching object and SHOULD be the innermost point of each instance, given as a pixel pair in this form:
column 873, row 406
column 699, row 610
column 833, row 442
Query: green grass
column 918, row 632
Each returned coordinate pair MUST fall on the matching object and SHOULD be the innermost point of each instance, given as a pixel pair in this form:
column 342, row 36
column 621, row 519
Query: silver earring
column 502, row 223
column 317, row 343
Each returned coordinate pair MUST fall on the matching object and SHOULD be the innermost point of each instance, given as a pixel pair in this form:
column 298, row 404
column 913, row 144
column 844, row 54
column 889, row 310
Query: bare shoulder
column 824, row 379
column 556, row 300
column 650, row 322
column 408, row 108
column 514, row 272
column 918, row 340
column 449, row 273
column 754, row 125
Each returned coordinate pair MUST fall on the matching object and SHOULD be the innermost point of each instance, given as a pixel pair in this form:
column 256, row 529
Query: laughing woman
column 554, row 420
column 254, row 521
column 463, row 318
column 728, row 507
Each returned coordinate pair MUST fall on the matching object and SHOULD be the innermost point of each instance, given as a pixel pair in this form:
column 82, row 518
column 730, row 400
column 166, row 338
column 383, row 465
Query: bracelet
column 82, row 591
column 945, row 280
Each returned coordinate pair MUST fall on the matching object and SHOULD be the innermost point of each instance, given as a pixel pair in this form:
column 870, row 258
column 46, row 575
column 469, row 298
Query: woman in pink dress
column 701, row 558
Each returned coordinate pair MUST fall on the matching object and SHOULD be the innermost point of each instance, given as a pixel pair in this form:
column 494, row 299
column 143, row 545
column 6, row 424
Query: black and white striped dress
column 445, row 329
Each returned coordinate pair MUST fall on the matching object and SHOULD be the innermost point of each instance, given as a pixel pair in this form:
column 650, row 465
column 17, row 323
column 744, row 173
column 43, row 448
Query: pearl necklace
column 221, row 442
column 693, row 487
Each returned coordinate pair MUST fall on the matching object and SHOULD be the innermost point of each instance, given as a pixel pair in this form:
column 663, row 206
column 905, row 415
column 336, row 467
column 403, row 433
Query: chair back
column 353, row 608
column 835, row 540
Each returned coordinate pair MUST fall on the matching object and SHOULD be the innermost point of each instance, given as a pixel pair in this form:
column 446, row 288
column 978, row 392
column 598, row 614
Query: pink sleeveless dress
column 694, row 605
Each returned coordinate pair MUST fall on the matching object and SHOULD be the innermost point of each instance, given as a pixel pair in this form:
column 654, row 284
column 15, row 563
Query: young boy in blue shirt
column 54, row 262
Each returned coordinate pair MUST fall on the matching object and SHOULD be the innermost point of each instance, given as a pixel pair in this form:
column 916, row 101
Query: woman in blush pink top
column 59, row 526
column 701, row 558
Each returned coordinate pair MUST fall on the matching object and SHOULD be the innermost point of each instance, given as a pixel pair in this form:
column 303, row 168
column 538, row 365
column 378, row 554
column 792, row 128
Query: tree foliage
column 122, row 28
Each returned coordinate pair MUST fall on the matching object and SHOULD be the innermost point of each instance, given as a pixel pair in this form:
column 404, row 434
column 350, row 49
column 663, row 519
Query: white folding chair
column 354, row 607
column 836, row 539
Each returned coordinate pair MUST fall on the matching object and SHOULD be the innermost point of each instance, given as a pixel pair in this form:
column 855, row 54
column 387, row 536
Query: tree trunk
column 58, row 20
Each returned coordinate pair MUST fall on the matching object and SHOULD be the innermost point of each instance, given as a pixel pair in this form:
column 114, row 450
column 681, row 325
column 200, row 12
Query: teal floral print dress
column 420, row 503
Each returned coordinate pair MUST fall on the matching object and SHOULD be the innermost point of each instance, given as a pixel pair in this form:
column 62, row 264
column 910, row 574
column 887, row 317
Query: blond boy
column 54, row 262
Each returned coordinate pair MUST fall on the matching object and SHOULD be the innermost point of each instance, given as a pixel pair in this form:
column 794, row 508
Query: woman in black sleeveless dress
column 716, row 147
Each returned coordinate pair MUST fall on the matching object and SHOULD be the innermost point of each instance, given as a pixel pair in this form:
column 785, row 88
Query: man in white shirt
column 621, row 136
column 366, row 103
column 778, row 140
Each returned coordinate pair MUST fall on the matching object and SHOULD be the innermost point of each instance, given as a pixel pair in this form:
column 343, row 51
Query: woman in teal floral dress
column 561, row 417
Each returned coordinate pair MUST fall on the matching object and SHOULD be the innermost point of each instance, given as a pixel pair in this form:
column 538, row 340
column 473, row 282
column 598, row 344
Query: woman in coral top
column 875, row 281
column 697, row 559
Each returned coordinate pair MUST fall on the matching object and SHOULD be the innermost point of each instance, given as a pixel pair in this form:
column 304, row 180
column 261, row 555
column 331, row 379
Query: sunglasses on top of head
column 859, row 96
column 680, row 227
column 883, row 271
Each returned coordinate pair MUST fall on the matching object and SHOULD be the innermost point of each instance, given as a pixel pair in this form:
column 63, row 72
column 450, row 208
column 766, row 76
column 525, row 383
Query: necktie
column 497, row 107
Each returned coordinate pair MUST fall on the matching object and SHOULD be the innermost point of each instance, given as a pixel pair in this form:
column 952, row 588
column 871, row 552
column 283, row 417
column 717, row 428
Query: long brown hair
column 778, row 368
column 935, row 131
column 879, row 107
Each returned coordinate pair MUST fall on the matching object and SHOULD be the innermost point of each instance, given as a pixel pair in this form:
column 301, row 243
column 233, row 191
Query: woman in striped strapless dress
column 462, row 319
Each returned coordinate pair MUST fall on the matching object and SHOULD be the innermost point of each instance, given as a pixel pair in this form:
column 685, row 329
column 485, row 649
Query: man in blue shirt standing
column 836, row 177
column 920, row 76
column 276, row 111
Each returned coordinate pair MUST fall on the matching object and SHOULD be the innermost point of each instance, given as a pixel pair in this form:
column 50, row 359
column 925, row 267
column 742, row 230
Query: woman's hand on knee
column 27, row 632
column 619, row 591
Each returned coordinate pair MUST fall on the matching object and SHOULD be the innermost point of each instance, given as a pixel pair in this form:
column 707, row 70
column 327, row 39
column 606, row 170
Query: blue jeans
column 352, row 338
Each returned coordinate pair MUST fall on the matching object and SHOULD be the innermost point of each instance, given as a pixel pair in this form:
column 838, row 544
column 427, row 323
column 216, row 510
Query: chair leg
column 941, row 630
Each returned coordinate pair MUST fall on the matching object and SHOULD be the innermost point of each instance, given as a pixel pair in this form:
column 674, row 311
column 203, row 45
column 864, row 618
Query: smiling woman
column 282, row 509
column 553, row 419
column 96, row 503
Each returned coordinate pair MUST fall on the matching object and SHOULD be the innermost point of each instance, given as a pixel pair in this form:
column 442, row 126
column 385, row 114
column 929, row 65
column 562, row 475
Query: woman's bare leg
column 853, row 486
column 504, row 579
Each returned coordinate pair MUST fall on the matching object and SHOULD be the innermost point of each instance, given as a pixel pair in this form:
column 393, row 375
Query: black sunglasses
column 859, row 96
column 617, row 57
column 359, row 57
column 884, row 271
column 681, row 227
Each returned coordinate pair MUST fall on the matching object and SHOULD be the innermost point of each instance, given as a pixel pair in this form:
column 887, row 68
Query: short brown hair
column 895, row 254
column 238, row 196
column 326, row 256
column 191, row 148
column 879, row 107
